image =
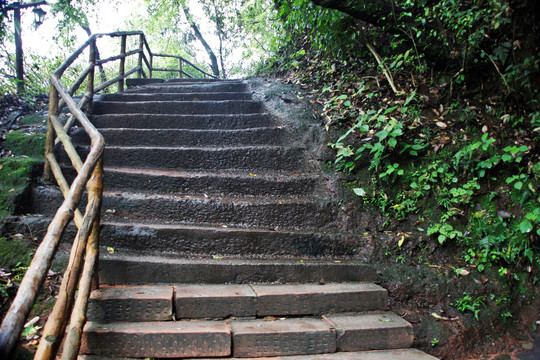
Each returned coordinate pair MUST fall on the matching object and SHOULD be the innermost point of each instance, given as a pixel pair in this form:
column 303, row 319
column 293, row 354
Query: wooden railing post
column 49, row 142
column 180, row 73
column 141, row 44
column 90, row 78
column 122, row 63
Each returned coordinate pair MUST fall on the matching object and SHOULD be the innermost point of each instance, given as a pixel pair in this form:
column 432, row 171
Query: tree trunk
column 219, row 28
column 214, row 63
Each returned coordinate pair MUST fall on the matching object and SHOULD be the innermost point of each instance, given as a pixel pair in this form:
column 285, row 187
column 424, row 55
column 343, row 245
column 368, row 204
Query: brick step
column 166, row 121
column 184, row 137
column 179, row 87
column 270, row 213
column 178, row 107
column 125, row 269
column 215, row 301
column 209, row 241
column 251, row 158
column 248, row 338
column 401, row 354
column 202, row 96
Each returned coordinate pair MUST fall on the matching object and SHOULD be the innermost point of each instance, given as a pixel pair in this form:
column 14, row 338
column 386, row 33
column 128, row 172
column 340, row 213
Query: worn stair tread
column 316, row 299
column 252, row 158
column 186, row 137
column 172, row 87
column 401, row 354
column 213, row 182
column 221, row 301
column 232, row 242
column 179, row 107
column 179, row 121
column 131, row 303
column 157, row 339
column 163, row 96
column 377, row 331
column 281, row 337
column 134, row 269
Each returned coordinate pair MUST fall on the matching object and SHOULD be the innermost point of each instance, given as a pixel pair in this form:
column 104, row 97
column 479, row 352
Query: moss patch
column 23, row 144
column 15, row 175
column 13, row 252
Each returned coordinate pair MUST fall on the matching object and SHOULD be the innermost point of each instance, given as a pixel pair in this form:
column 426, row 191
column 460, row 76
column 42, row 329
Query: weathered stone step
column 208, row 241
column 157, row 339
column 164, row 121
column 241, row 183
column 178, row 107
column 185, row 137
column 187, row 87
column 118, row 269
column 171, row 209
column 155, row 303
column 401, row 354
column 132, row 82
column 248, row 338
column 249, row 158
column 203, row 96
column 210, row 183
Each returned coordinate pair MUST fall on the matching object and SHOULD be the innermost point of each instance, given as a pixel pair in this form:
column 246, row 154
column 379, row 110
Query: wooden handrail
column 84, row 254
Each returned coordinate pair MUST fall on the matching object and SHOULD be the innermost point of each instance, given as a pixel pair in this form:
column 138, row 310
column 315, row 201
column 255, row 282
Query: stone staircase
column 220, row 239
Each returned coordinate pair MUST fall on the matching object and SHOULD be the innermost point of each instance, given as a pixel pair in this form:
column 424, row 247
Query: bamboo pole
column 54, row 328
column 180, row 68
column 139, row 63
column 49, row 142
column 122, row 64
column 90, row 82
column 78, row 317
column 64, row 186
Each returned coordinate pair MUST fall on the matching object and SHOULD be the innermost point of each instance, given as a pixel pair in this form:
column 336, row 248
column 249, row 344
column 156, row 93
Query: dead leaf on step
column 441, row 125
column 250, row 174
column 269, row 318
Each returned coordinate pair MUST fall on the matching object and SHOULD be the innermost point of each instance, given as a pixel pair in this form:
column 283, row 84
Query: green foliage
column 468, row 303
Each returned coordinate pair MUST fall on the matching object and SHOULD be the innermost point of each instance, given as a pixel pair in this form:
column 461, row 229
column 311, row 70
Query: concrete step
column 248, row 158
column 164, row 121
column 155, row 303
column 170, row 209
column 203, row 96
column 178, row 107
column 208, row 241
column 183, row 137
column 401, row 354
column 125, row 269
column 248, row 338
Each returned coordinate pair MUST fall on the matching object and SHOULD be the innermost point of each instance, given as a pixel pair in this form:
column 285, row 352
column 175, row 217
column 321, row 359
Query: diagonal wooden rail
column 81, row 271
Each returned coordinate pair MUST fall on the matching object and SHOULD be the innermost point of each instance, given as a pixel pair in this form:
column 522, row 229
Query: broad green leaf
column 359, row 191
